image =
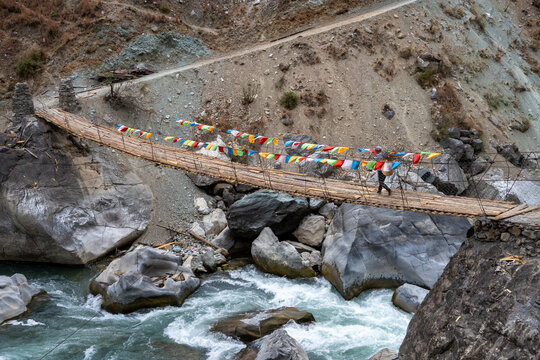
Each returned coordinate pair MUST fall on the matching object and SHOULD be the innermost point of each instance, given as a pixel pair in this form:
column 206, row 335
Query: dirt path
column 260, row 47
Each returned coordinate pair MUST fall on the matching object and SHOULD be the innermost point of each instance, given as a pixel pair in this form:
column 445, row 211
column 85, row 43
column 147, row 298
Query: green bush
column 289, row 100
column 29, row 64
column 164, row 9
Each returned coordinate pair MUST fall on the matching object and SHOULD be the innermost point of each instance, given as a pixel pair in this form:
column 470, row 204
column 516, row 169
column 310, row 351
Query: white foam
column 28, row 322
column 89, row 353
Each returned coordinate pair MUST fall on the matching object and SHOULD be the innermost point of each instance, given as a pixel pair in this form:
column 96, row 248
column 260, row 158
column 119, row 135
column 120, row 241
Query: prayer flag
column 355, row 165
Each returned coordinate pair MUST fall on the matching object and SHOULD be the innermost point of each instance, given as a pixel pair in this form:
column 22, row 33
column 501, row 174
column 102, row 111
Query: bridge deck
column 278, row 180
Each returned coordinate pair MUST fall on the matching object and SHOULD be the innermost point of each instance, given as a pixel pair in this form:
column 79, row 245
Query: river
column 353, row 329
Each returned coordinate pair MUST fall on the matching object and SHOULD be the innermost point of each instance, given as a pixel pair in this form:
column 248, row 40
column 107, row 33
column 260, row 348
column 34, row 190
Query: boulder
column 197, row 229
column 385, row 354
column 62, row 206
column 454, row 147
column 316, row 203
column 327, row 210
column 201, row 206
column 478, row 166
column 409, row 297
column 317, row 169
column 368, row 247
column 224, row 239
column 15, row 295
column 280, row 212
column 311, row 230
column 276, row 346
column 494, row 185
column 203, row 181
column 454, row 133
column 446, row 175
column 214, row 223
column 254, row 325
column 511, row 153
column 143, row 278
column 477, row 145
column 279, row 257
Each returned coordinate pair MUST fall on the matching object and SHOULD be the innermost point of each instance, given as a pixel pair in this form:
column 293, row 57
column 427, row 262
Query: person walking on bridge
column 384, row 156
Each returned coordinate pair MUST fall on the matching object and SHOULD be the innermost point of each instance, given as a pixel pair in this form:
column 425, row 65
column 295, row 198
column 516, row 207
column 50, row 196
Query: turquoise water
column 343, row 330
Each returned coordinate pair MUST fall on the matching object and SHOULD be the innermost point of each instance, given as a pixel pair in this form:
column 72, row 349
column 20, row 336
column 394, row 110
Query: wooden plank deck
column 277, row 180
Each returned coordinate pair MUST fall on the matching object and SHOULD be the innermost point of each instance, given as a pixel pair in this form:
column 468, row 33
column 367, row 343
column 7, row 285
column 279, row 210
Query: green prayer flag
column 331, row 161
column 370, row 165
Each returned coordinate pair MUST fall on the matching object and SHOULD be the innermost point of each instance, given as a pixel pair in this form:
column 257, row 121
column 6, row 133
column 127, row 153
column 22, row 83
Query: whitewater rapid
column 353, row 329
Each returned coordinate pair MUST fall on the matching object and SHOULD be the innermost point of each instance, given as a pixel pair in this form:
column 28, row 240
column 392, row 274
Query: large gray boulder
column 369, row 247
column 15, row 294
column 409, row 297
column 280, row 212
column 276, row 346
column 59, row 205
column 145, row 277
column 254, row 325
column 311, row 230
column 281, row 258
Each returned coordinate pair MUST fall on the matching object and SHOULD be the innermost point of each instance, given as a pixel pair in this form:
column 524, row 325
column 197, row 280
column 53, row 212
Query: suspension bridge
column 286, row 181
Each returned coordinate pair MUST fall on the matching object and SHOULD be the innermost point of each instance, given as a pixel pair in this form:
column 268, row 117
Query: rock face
column 409, row 297
column 15, row 294
column 143, row 278
column 59, row 205
column 369, row 247
column 281, row 258
column 485, row 305
column 254, row 325
column 280, row 212
column 276, row 346
column 311, row 230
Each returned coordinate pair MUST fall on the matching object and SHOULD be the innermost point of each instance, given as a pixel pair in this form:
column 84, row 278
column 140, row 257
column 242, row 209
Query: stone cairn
column 23, row 105
column 68, row 101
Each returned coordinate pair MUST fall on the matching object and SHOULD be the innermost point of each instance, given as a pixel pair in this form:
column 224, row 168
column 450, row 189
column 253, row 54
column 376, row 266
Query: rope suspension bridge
column 284, row 181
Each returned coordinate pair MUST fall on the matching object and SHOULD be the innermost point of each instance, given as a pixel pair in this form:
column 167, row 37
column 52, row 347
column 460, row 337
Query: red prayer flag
column 328, row 148
column 276, row 156
column 378, row 165
column 339, row 163
column 263, row 139
column 220, row 149
column 416, row 158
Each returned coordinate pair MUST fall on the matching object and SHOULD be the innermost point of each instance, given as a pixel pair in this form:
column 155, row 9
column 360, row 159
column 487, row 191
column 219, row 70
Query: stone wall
column 486, row 304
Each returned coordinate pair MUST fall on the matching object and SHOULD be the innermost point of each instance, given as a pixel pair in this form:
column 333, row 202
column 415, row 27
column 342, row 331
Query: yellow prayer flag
column 342, row 150
column 432, row 155
column 275, row 142
column 251, row 139
column 293, row 158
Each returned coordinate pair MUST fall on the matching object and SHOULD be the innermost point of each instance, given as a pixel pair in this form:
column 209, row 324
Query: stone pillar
column 23, row 105
column 68, row 100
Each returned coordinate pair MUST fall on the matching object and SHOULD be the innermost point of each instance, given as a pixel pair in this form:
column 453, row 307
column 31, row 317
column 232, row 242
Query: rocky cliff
column 486, row 304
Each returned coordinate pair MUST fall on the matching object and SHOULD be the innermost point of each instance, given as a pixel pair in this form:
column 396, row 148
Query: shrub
column 164, row 9
column 494, row 101
column 29, row 64
column 289, row 100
